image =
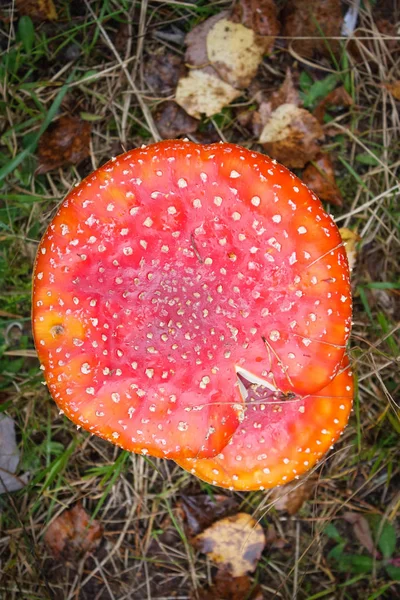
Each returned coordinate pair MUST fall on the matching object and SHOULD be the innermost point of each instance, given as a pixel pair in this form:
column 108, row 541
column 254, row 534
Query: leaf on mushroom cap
column 280, row 438
column 169, row 270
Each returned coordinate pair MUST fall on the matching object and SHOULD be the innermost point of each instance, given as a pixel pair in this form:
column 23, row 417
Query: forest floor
column 110, row 68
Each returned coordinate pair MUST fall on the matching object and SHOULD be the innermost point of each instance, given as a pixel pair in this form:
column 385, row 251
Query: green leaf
column 365, row 158
column 26, row 33
column 359, row 564
column 393, row 572
column 319, row 89
column 337, row 552
column 387, row 540
column 332, row 532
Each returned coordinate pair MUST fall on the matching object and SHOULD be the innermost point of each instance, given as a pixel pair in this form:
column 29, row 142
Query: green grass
column 136, row 498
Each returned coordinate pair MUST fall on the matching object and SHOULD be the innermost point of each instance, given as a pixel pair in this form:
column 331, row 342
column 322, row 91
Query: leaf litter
column 234, row 543
column 9, row 458
column 67, row 141
column 72, row 534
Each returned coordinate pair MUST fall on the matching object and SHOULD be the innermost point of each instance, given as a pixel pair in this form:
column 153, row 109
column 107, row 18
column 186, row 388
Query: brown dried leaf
column 200, row 92
column 38, row 10
column 162, row 72
column 227, row 587
column 337, row 97
column 320, row 177
column 292, row 136
column 235, row 543
column 318, row 19
column 361, row 530
column 200, row 511
column 260, row 16
column 394, row 89
column 291, row 497
column 72, row 534
column 66, row 141
column 351, row 240
column 172, row 121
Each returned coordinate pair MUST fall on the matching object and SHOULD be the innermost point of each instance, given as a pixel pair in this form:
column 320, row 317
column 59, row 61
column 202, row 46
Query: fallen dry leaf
column 291, row 497
column 234, row 543
column 9, row 458
column 65, row 142
column 361, row 530
column 320, row 178
column 73, row 533
column 200, row 510
column 227, row 587
column 394, row 89
column 172, row 121
column 223, row 55
column 162, row 72
column 38, row 10
column 260, row 16
column 318, row 20
column 350, row 239
column 235, row 52
column 337, row 97
column 201, row 93
column 292, row 136
column 196, row 42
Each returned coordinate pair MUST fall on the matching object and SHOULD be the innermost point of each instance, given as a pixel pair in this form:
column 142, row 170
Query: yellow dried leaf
column 350, row 239
column 235, row 52
column 235, row 543
column 201, row 92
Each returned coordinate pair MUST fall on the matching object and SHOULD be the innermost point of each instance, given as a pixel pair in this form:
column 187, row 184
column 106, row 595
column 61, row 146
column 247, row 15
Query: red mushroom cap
column 280, row 438
column 169, row 271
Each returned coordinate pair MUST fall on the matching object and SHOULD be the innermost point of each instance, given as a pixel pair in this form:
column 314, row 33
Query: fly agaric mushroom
column 170, row 273
column 280, row 438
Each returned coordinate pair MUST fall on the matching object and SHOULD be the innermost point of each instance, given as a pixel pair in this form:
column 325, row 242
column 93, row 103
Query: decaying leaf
column 227, row 587
column 73, row 533
column 320, row 177
column 317, row 20
column 292, row 136
column 162, row 72
column 9, row 458
column 201, row 93
column 394, row 89
column 38, row 10
column 67, row 141
column 258, row 15
column 223, row 54
column 350, row 239
column 337, row 97
column 200, row 510
column 234, row 543
column 196, row 42
column 291, row 497
column 361, row 530
column 172, row 121
column 235, row 52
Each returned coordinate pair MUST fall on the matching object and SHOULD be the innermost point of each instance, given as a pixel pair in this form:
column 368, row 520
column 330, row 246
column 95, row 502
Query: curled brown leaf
column 320, row 178
column 73, row 533
column 67, row 141
column 260, row 16
column 337, row 97
column 292, row 135
column 316, row 21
